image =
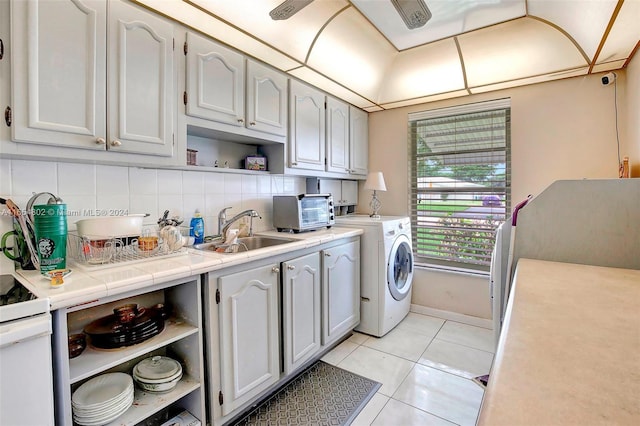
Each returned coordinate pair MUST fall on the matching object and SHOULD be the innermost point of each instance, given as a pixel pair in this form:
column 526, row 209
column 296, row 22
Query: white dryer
column 386, row 262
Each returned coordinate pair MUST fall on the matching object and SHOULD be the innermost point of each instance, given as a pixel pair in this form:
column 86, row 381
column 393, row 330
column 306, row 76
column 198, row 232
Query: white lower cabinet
column 265, row 321
column 340, row 290
column 181, row 339
column 249, row 356
column 301, row 306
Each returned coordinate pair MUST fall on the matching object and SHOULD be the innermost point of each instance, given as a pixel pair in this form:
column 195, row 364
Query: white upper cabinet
column 358, row 141
column 307, row 127
column 266, row 99
column 68, row 78
column 337, row 136
column 215, row 81
column 342, row 149
column 140, row 81
column 217, row 87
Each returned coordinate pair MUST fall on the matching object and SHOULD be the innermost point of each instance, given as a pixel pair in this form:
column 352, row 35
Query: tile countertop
column 84, row 284
column 569, row 352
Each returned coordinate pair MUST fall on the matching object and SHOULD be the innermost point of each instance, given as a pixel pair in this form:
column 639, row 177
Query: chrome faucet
column 224, row 224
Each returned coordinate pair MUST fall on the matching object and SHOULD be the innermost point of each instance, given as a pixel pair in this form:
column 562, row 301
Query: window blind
column 460, row 182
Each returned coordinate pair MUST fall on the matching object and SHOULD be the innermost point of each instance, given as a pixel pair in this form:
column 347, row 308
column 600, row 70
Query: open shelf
column 92, row 361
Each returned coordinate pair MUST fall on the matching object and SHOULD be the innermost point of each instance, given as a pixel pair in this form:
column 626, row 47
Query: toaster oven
column 304, row 212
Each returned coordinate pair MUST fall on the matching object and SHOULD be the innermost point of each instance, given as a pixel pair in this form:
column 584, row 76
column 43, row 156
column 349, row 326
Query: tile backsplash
column 98, row 189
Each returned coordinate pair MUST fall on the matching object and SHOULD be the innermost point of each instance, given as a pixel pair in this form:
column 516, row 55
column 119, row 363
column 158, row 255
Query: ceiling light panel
column 423, row 71
column 530, row 80
column 434, row 98
column 353, row 53
column 197, row 19
column 572, row 19
column 515, row 50
column 329, row 86
column 449, row 18
column 293, row 36
column 624, row 34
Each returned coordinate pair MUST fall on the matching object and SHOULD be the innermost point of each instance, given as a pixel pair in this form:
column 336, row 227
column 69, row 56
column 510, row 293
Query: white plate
column 105, row 405
column 106, row 418
column 108, row 411
column 98, row 410
column 102, row 390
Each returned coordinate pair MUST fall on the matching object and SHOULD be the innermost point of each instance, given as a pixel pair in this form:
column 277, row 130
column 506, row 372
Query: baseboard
column 453, row 316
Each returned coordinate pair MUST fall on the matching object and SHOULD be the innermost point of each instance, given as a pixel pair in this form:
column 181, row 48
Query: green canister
column 50, row 222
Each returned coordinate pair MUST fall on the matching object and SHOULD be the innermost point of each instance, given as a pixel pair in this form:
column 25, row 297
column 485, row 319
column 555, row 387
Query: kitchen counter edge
column 85, row 284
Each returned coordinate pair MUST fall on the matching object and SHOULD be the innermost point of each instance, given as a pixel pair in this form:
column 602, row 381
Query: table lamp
column 375, row 181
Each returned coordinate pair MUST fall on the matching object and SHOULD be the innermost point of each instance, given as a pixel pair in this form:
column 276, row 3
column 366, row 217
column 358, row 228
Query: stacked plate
column 109, row 333
column 102, row 399
column 157, row 374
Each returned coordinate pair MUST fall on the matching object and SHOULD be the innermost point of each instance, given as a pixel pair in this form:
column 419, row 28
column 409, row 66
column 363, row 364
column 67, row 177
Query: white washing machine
column 386, row 264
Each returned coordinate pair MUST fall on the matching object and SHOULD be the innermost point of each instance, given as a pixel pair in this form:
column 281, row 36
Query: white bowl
column 158, row 387
column 111, row 226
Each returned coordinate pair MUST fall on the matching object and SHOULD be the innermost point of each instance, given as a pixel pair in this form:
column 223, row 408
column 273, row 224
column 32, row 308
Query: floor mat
column 321, row 395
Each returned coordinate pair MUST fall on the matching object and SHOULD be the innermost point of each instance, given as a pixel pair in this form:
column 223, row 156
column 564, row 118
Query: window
column 460, row 182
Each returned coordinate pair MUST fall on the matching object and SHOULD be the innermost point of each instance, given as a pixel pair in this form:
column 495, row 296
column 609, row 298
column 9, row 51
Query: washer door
column 400, row 268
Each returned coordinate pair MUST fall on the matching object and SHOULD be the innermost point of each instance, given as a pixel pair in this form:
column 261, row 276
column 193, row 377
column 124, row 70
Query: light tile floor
column 425, row 366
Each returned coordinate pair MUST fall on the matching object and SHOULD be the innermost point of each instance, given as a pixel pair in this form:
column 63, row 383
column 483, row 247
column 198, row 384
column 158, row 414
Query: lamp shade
column 375, row 181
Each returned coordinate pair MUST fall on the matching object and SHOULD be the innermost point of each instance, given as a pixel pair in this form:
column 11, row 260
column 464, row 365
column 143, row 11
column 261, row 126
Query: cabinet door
column 215, row 81
column 350, row 192
column 266, row 99
column 333, row 187
column 340, row 290
column 59, row 72
column 306, row 127
column 301, row 310
column 249, row 345
column 141, row 89
column 337, row 136
column 359, row 141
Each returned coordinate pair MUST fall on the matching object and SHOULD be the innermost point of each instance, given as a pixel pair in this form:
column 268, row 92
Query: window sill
column 452, row 269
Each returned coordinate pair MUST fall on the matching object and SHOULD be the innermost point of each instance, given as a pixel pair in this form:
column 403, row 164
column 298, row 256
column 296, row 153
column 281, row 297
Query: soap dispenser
column 197, row 228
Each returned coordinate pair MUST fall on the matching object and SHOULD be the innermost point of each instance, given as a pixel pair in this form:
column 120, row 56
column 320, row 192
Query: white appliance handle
column 24, row 329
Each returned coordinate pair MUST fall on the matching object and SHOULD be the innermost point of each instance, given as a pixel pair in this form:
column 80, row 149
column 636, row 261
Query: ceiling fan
column 414, row 13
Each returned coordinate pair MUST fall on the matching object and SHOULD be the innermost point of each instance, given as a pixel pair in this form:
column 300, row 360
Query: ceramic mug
column 128, row 312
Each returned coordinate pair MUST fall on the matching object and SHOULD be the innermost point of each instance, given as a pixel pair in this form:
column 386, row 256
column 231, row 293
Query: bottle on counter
column 197, row 228
column 624, row 168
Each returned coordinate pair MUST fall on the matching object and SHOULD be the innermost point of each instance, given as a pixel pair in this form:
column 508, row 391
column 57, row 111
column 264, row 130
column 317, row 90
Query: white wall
column 563, row 129
column 89, row 187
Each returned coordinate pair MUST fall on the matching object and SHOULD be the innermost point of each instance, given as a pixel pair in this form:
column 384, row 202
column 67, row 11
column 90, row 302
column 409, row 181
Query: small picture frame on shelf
column 253, row 162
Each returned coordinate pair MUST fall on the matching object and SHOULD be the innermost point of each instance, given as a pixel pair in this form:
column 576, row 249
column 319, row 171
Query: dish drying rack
column 113, row 251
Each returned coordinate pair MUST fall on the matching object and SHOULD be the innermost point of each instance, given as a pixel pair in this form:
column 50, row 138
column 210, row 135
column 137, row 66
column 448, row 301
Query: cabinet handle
column 240, row 120
column 100, row 141
column 252, row 123
column 291, row 267
column 327, row 254
column 294, row 164
column 275, row 269
column 116, row 142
